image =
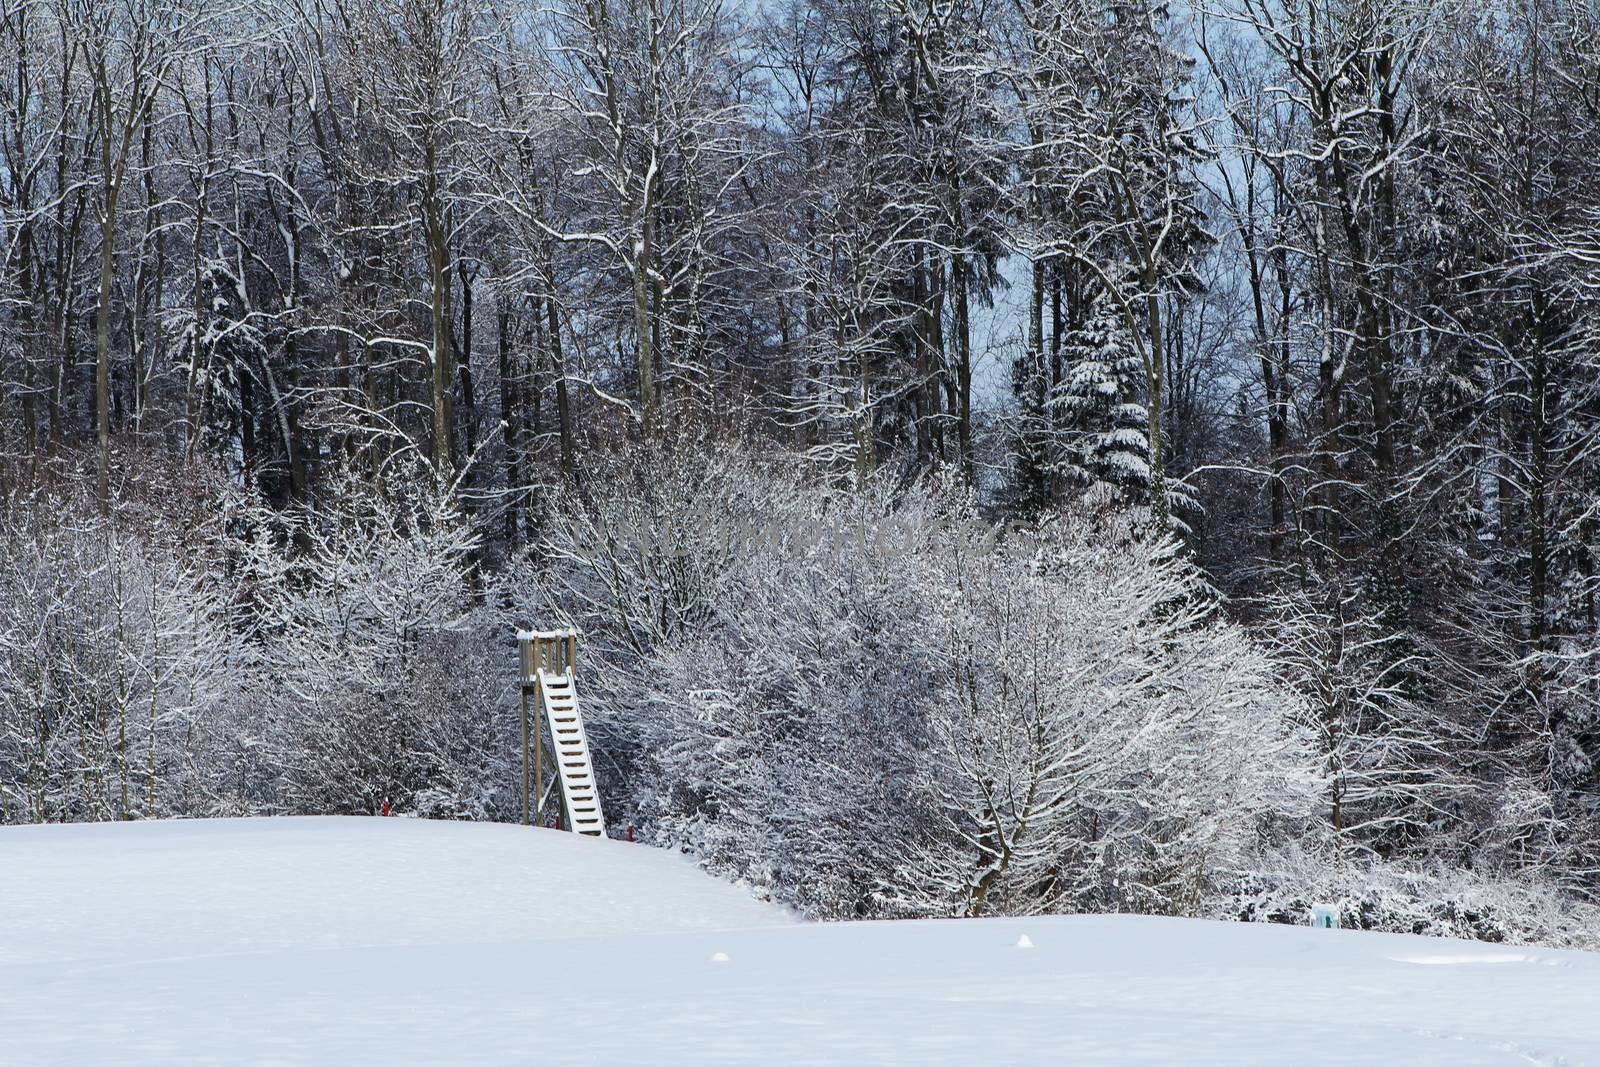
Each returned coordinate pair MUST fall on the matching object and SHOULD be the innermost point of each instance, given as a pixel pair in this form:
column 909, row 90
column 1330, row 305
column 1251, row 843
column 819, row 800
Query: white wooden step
column 573, row 766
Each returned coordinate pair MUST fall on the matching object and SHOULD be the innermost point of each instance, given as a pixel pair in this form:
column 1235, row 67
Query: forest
column 1002, row 456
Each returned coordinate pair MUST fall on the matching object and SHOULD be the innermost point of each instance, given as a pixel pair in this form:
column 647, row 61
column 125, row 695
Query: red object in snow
column 630, row 831
column 386, row 805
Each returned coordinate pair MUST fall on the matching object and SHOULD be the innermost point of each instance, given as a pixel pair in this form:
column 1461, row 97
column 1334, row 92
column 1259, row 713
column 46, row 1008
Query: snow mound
column 118, row 892
column 395, row 941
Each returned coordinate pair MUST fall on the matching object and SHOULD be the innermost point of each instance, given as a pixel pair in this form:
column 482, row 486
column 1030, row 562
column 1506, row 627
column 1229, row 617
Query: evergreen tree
column 233, row 349
column 1101, row 405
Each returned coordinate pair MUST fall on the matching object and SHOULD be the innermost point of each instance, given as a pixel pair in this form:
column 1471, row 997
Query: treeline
column 1309, row 287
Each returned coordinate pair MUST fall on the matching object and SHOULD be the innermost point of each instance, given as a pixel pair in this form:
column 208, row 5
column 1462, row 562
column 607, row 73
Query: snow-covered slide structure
column 548, row 660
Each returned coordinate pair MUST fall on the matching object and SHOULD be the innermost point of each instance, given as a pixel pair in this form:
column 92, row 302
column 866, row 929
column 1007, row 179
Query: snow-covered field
column 395, row 941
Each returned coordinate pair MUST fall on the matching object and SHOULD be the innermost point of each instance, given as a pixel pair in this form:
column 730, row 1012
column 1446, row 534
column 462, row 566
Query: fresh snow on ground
column 397, row 942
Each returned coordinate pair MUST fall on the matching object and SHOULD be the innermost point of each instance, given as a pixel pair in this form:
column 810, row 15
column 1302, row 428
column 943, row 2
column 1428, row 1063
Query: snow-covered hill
column 395, row 941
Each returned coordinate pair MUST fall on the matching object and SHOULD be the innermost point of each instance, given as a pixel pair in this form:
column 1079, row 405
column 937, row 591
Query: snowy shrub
column 425, row 738
column 118, row 667
column 876, row 702
column 375, row 570
column 365, row 627
column 228, row 660
column 1408, row 898
column 1403, row 753
column 1104, row 743
column 1388, row 764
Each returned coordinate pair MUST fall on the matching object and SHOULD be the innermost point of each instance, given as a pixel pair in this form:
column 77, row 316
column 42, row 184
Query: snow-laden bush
column 387, row 671
column 1402, row 743
column 876, row 702
column 369, row 574
column 1407, row 898
column 228, row 660
column 118, row 668
column 1388, row 764
column 1114, row 746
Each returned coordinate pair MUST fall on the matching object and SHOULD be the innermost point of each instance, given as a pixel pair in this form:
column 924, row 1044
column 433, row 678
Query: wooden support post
column 538, row 767
column 525, row 666
column 526, row 811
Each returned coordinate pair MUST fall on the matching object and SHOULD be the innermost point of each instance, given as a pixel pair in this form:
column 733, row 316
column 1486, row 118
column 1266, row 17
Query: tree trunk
column 102, row 333
column 642, row 327
column 511, row 420
column 434, row 233
column 1159, row 505
column 469, row 399
column 963, row 369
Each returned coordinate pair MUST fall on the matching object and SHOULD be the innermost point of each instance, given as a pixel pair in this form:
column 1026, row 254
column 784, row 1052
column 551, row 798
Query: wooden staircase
column 574, row 769
column 548, row 659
